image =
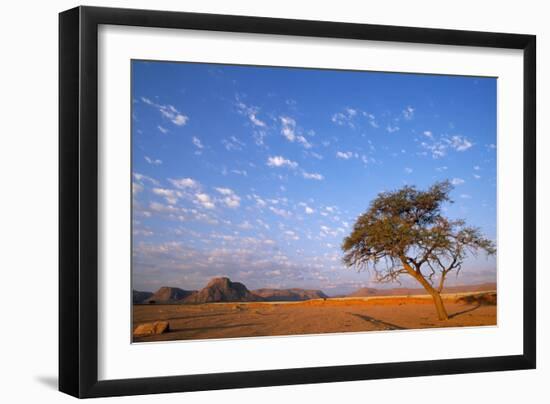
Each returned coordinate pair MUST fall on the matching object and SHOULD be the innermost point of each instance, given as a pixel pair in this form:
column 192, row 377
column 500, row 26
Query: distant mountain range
column 284, row 295
column 366, row 292
column 224, row 290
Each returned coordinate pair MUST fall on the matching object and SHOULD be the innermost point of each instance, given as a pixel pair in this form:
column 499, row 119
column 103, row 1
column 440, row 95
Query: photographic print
column 276, row 201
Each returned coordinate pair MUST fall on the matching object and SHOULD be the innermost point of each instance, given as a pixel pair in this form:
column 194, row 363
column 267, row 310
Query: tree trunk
column 439, row 306
column 441, row 312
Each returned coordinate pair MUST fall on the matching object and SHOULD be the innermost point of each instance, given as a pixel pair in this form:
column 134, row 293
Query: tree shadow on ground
column 464, row 311
column 379, row 323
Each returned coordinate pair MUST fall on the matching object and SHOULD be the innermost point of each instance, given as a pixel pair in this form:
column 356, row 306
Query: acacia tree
column 405, row 233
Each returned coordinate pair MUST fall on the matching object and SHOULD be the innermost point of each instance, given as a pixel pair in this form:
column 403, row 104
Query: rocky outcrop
column 167, row 294
column 223, row 290
column 140, row 297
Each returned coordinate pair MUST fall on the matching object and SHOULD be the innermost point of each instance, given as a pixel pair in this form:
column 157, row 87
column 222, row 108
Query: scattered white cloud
column 408, row 170
column 230, row 199
column 184, row 183
column 428, row 134
column 154, row 162
column 437, row 149
column 240, row 172
column 246, row 225
column 465, row 196
column 459, row 143
column 251, row 112
column 176, row 118
column 170, row 195
column 345, row 118
column 280, row 161
column 392, row 129
column 477, row 176
column 142, row 232
column 161, row 208
column 224, row 191
column 312, row 176
column 408, row 113
column 477, row 168
column 264, row 225
column 259, row 201
column 162, row 129
column 280, row 212
column 197, row 142
column 371, row 119
column 291, row 234
column 288, row 126
column 204, row 200
column 136, row 188
column 168, row 111
column 256, row 121
column 303, row 141
column 366, row 159
column 289, row 131
column 344, row 155
column 457, row 181
column 233, row 143
column 141, row 178
column 259, row 135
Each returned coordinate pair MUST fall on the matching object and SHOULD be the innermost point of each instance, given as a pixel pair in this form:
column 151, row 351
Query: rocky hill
column 140, row 297
column 223, row 290
column 167, row 294
column 284, row 295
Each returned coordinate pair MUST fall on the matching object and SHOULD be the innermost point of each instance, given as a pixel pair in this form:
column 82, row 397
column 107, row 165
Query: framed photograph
column 250, row 201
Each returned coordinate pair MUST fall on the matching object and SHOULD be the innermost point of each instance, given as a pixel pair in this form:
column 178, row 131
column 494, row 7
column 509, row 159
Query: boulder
column 146, row 329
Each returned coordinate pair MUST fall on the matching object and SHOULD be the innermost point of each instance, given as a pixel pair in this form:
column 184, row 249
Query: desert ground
column 331, row 315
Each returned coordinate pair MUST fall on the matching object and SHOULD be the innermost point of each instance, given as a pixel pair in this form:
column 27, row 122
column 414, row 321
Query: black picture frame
column 78, row 201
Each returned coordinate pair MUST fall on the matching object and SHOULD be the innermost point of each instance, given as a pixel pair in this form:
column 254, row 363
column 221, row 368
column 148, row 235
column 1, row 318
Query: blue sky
column 258, row 173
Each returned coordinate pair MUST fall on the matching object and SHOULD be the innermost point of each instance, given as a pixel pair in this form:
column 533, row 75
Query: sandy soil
column 229, row 320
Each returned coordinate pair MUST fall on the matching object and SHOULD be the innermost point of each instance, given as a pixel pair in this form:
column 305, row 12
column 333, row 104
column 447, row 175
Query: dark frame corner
column 78, row 179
